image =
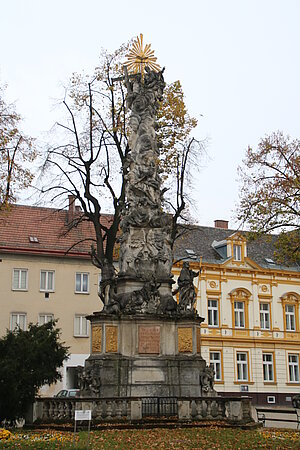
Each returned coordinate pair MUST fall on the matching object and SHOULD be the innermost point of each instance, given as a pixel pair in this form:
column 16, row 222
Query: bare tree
column 192, row 150
column 16, row 150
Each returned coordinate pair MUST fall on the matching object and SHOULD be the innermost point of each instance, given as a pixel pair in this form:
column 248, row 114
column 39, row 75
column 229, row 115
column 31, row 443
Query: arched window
column 239, row 305
column 290, row 305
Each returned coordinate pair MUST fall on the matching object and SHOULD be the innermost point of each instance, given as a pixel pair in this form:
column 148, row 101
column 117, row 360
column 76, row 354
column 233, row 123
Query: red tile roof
column 51, row 228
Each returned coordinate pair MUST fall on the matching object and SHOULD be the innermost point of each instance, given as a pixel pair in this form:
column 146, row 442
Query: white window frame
column 242, row 366
column 18, row 287
column 18, row 315
column 268, row 367
column 213, row 312
column 239, row 314
column 237, row 252
column 82, row 318
column 81, row 291
column 293, row 366
column 265, row 316
column 215, row 358
column 290, row 317
column 47, row 288
column 47, row 318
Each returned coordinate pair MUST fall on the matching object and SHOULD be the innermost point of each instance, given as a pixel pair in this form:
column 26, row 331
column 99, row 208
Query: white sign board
column 83, row 414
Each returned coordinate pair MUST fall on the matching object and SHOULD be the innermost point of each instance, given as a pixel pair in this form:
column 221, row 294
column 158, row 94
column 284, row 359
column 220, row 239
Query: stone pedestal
column 143, row 356
column 130, row 284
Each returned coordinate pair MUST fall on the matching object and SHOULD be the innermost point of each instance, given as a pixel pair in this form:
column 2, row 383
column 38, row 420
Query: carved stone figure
column 88, row 380
column 107, row 280
column 139, row 255
column 145, row 247
column 207, row 380
column 145, row 300
column 81, row 378
column 93, row 381
column 186, row 288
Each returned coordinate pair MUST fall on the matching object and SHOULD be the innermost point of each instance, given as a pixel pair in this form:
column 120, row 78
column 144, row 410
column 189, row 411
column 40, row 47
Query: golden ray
column 140, row 57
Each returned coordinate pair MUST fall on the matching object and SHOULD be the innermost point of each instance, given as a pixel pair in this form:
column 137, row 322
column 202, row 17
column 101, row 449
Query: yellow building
column 43, row 277
column 250, row 304
column 251, row 310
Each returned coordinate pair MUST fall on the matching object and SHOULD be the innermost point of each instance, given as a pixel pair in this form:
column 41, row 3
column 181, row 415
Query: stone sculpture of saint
column 186, row 288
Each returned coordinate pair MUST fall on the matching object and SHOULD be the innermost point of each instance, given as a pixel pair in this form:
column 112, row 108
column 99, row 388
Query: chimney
column 221, row 224
column 71, row 209
column 72, row 199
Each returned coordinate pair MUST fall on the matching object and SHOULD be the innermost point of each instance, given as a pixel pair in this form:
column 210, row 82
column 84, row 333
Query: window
column 268, row 367
column 216, row 361
column 80, row 325
column 44, row 318
column 290, row 322
column 18, row 320
column 237, row 252
column 20, row 279
column 293, row 368
column 242, row 366
column 239, row 314
column 290, row 304
column 213, row 313
column 82, row 283
column 239, row 306
column 47, row 280
column 264, row 309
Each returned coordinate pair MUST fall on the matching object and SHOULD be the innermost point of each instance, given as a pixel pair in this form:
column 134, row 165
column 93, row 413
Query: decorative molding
column 111, row 339
column 185, row 339
column 96, row 339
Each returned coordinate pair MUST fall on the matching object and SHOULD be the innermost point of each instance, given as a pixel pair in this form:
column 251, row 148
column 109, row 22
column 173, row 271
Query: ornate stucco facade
column 251, row 308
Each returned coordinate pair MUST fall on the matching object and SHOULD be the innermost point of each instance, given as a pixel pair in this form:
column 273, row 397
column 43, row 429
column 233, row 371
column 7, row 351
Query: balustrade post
column 204, row 409
column 184, row 409
column 209, row 415
column 118, row 404
column 136, row 410
column 108, row 409
column 198, row 409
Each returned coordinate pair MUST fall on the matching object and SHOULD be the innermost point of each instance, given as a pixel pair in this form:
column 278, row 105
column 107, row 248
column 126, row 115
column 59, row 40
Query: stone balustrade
column 231, row 409
column 234, row 410
column 58, row 409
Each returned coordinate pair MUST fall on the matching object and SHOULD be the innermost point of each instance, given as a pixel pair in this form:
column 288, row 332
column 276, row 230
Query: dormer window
column 33, row 239
column 237, row 252
column 191, row 253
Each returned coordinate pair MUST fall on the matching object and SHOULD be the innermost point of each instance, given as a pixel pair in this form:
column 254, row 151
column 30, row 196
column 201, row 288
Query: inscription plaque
column 185, row 340
column 111, row 339
column 149, row 340
column 97, row 339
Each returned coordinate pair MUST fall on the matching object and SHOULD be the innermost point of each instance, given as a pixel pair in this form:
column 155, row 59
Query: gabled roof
column 52, row 229
column 49, row 228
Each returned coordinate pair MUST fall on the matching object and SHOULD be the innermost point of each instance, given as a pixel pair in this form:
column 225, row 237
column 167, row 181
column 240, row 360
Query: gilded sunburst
column 140, row 57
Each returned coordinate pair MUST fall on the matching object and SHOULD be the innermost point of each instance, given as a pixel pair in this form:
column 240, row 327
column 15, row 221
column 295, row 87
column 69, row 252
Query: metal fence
column 159, row 406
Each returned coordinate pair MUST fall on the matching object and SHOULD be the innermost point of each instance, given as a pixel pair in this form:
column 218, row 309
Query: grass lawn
column 157, row 438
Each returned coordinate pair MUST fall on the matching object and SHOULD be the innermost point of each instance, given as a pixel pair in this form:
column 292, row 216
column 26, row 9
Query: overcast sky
column 238, row 62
